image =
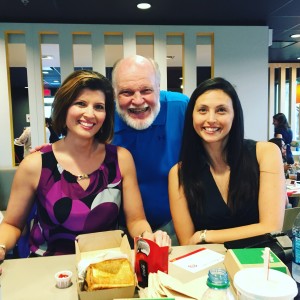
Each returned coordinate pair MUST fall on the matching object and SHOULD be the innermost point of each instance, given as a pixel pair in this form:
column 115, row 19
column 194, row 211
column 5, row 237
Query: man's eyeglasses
column 284, row 146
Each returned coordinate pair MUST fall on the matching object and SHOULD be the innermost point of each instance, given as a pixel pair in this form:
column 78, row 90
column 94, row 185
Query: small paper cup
column 63, row 279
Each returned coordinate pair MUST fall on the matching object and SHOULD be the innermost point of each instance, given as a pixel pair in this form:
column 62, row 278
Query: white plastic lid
column 252, row 284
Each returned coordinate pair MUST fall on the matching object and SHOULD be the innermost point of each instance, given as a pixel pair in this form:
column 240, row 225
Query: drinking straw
column 266, row 257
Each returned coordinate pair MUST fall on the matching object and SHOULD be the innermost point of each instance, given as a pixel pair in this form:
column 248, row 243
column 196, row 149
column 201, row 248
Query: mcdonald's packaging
column 101, row 260
column 149, row 258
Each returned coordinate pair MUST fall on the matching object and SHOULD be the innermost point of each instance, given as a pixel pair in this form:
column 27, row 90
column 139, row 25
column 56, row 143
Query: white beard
column 138, row 124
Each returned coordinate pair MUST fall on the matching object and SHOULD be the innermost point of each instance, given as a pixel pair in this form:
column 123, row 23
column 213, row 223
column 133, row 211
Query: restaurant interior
column 282, row 62
column 254, row 44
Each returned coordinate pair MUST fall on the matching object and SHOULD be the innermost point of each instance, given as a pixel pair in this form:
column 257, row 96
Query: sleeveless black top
column 216, row 213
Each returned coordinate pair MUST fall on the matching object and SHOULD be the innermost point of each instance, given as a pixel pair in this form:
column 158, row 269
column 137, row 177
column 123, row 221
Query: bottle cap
column 218, row 279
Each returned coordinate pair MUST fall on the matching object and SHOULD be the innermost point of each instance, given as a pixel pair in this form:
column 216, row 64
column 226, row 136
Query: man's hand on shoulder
column 38, row 148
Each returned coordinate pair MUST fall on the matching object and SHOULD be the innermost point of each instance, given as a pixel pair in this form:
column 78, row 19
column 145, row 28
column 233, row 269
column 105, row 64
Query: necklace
column 82, row 176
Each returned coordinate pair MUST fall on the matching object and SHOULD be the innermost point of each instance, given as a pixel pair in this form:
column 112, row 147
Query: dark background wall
column 19, row 98
column 20, row 108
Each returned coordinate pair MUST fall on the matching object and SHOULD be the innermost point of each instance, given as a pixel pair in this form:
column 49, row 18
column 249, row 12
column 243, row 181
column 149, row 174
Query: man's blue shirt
column 155, row 150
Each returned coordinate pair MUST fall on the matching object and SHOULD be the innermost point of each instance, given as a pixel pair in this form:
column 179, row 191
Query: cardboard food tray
column 89, row 245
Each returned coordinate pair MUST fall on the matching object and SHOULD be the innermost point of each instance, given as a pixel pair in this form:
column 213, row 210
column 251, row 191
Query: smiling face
column 137, row 91
column 86, row 114
column 213, row 116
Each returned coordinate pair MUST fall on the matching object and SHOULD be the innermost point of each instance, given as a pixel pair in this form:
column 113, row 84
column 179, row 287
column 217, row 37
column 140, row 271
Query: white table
column 293, row 191
column 33, row 278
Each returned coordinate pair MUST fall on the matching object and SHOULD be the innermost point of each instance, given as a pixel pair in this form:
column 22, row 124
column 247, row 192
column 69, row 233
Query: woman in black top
column 224, row 187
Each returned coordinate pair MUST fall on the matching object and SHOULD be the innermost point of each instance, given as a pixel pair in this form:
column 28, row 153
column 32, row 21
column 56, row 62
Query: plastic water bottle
column 296, row 249
column 218, row 285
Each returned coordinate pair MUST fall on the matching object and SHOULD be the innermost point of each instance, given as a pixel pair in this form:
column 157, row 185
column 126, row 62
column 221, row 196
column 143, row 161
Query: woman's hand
column 161, row 238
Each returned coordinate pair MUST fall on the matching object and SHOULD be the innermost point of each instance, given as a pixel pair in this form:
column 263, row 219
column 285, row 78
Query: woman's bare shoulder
column 174, row 170
column 123, row 152
column 268, row 154
column 31, row 164
column 262, row 146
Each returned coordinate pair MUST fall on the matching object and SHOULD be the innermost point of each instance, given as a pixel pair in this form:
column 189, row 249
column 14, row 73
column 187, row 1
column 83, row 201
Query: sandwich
column 109, row 273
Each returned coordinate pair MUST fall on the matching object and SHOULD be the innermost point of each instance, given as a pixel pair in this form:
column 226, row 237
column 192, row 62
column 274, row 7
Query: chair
column 289, row 218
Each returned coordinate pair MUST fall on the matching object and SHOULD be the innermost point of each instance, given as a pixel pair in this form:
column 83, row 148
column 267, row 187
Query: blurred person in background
column 283, row 130
column 52, row 137
column 282, row 146
column 24, row 140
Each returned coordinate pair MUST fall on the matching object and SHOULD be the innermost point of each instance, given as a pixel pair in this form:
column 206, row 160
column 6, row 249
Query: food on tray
column 109, row 273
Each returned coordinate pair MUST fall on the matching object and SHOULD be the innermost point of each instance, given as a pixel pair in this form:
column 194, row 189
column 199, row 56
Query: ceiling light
column 45, row 72
column 295, row 36
column 47, row 57
column 25, row 2
column 298, row 58
column 143, row 5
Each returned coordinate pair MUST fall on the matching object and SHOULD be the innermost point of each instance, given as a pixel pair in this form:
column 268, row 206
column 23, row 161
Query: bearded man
column 149, row 123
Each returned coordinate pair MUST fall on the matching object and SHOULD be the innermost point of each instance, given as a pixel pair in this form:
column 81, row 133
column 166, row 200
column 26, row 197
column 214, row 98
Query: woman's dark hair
column 282, row 120
column 193, row 156
column 72, row 86
column 277, row 141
